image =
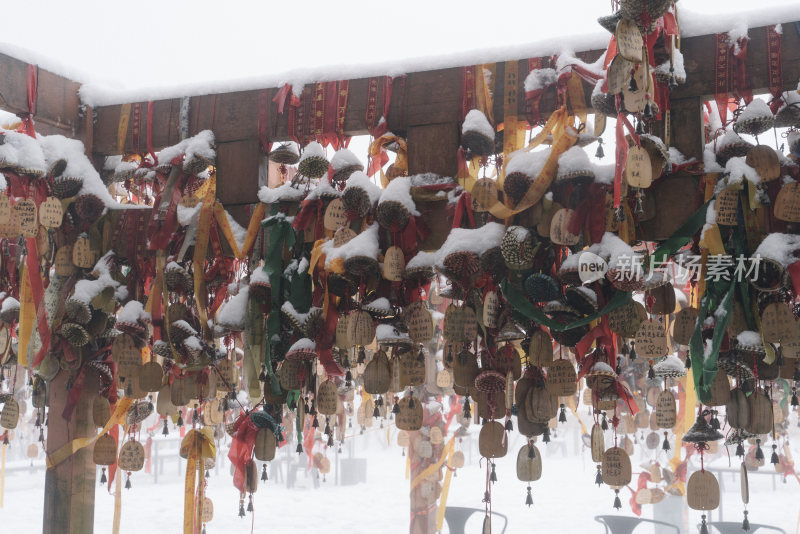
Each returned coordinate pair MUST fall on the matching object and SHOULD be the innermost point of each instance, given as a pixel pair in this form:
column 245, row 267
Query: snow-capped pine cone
column 516, row 185
column 196, row 164
column 644, row 10
column 788, row 117
column 477, row 143
column 67, row 186
column 78, row 311
column 392, row 215
column 178, row 333
column 362, row 267
column 89, row 207
column 284, row 155
column 313, row 167
column 754, row 126
column 518, row 248
column 138, row 412
column 163, row 349
column 178, row 280
column 604, row 103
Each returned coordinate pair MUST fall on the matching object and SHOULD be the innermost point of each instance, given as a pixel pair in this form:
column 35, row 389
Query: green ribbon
column 717, row 301
column 681, row 236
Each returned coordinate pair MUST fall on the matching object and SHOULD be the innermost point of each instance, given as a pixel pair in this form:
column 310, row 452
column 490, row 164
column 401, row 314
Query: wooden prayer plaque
column 419, row 322
column 50, row 213
column 529, row 469
column 410, row 416
column 491, row 310
column 778, row 323
column 562, row 380
column 629, row 40
column 616, row 467
column 377, row 374
column 666, row 410
column 559, row 234
column 484, row 191
column 360, row 328
column 105, row 450
column 335, row 215
column 787, row 204
column 28, row 218
column 727, row 207
column 265, row 445
column 394, row 264
column 765, row 161
column 327, row 397
column 131, row 456
column 101, row 413
column 683, row 326
column 651, row 340
column 151, row 376
column 638, row 170
column 627, row 319
column 9, row 417
column 760, row 409
column 702, row 491
column 492, row 441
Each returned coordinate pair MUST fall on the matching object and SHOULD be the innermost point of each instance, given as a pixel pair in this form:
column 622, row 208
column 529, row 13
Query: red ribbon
column 468, row 97
column 464, row 207
column 775, row 67
column 27, row 121
column 721, row 74
column 150, row 150
column 590, row 214
column 244, row 440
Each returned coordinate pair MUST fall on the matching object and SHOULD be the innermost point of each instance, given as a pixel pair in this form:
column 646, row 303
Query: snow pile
column 313, row 149
column 737, row 34
column 387, row 332
column 360, row 180
column 399, row 190
column 738, row 170
column 232, row 313
column 780, row 248
column 201, row 145
column 21, row 151
column 477, row 240
column 678, row 67
column 132, row 313
column 604, row 174
column 58, row 147
column 528, row 163
column 757, row 109
column 283, row 193
column 345, row 158
column 259, row 276
column 476, row 121
column 574, row 160
column 539, row 79
column 364, row 244
column 304, row 344
column 749, row 338
column 381, row 303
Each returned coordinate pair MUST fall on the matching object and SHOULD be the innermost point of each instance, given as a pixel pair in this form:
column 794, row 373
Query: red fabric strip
column 136, row 126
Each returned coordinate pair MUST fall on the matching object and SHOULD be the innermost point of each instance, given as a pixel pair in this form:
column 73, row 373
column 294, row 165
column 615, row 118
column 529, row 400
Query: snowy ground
column 565, row 499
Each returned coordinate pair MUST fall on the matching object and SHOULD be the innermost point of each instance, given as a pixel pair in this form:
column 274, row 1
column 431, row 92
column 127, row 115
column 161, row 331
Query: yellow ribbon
column 445, row 490
column 207, row 192
column 224, row 225
column 196, row 446
column 117, row 504
column 67, row 450
column 252, row 230
column 122, row 126
column 27, row 317
column 483, row 92
column 428, row 471
column 577, row 99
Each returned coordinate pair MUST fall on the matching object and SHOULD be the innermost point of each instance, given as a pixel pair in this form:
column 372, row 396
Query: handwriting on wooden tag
column 9, row 417
column 484, row 191
column 491, row 310
column 410, row 415
column 131, row 456
column 360, row 328
column 638, row 171
column 105, row 450
column 335, row 215
column 702, row 491
column 63, row 261
column 562, row 380
column 765, row 161
column 651, row 340
column 629, row 40
column 50, row 213
column 666, row 412
column 616, row 467
column 419, row 322
column 727, row 206
column 618, row 73
column 101, row 413
column 208, row 510
column 394, row 264
column 327, row 398
column 26, row 213
column 559, row 233
column 5, row 209
column 343, row 236
column 627, row 319
column 82, row 254
column 778, row 323
column 635, row 101
column 787, row 204
column 683, row 327
column 412, row 368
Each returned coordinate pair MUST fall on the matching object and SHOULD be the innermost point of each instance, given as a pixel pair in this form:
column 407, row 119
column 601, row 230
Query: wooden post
column 69, row 487
column 686, row 118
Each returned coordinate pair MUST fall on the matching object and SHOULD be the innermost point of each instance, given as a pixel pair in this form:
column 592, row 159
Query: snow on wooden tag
column 491, row 309
column 683, row 326
column 410, row 416
column 619, row 72
column 394, row 264
column 360, row 328
column 101, row 411
column 82, row 254
column 9, row 417
column 778, row 323
column 559, row 234
column 419, row 322
column 765, row 161
column 131, row 456
column 50, row 213
column 787, row 204
column 529, row 463
column 627, row 319
column 327, row 397
column 208, row 510
column 562, row 380
column 638, row 171
column 492, row 442
column 726, row 206
column 264, row 449
column 335, row 215
column 666, row 413
column 629, row 40
column 5, row 209
column 484, row 191
column 702, row 491
column 342, row 236
column 26, row 213
column 151, row 376
column 616, row 467
column 63, row 261
column 651, row 340
column 105, row 450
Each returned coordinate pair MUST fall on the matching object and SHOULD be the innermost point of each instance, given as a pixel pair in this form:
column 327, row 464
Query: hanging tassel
column 745, row 522
column 529, row 498
column 207, row 474
column 165, row 429
column 740, row 449
column 299, row 448
column 487, row 524
column 330, row 440
column 264, row 477
column 633, row 354
column 362, row 355
column 617, row 501
column 180, row 419
column 632, row 85
column 396, row 407
column 774, row 459
column 714, row 421
column 759, row 452
column 703, row 526
column 493, row 475
column 250, row 503
column 639, row 209
column 195, row 417
column 41, row 436
column 348, row 378
column 665, row 446
column 604, row 423
column 467, row 412
column 509, row 424
column 128, row 482
column 562, row 416
column 315, row 422
column 598, row 477
column 103, row 478
column 599, row 154
column 531, row 450
column 626, row 349
column 546, row 436
column 651, row 373
column 241, row 507
column 375, row 411
column 204, row 529
column 794, row 401
column 648, row 109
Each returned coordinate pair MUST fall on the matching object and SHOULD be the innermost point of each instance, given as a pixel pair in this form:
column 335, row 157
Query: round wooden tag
column 327, row 398
column 616, row 467
column 651, row 340
column 453, row 328
column 419, row 322
column 377, row 374
column 629, row 40
column 208, row 510
column 598, row 443
column 663, row 299
column 787, row 204
column 765, row 161
column 529, row 463
column 619, row 72
column 410, row 416
column 63, row 261
column 164, row 406
column 635, row 101
column 738, row 410
column 465, row 369
column 9, row 417
column 653, row 440
column 32, row 451
column 720, row 390
column 492, row 442
column 265, row 445
column 342, row 339
column 540, row 348
column 666, row 411
column 436, row 435
column 627, row 319
column 457, row 460
column 131, row 456
column 82, row 254
column 683, row 326
column 540, row 405
column 151, row 377
column 727, row 207
column 778, row 323
column 760, row 409
column 444, row 379
column 702, row 491
column 394, row 264
column 412, row 368
column 251, row 476
column 484, row 192
column 559, row 233
column 402, row 439
column 335, row 215
column 360, row 328
column 343, row 236
column 470, row 323
column 26, row 213
column 227, row 379
column 638, row 170
column 562, row 380
column 101, row 412
column 491, row 310
column 50, row 213
column 105, row 450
